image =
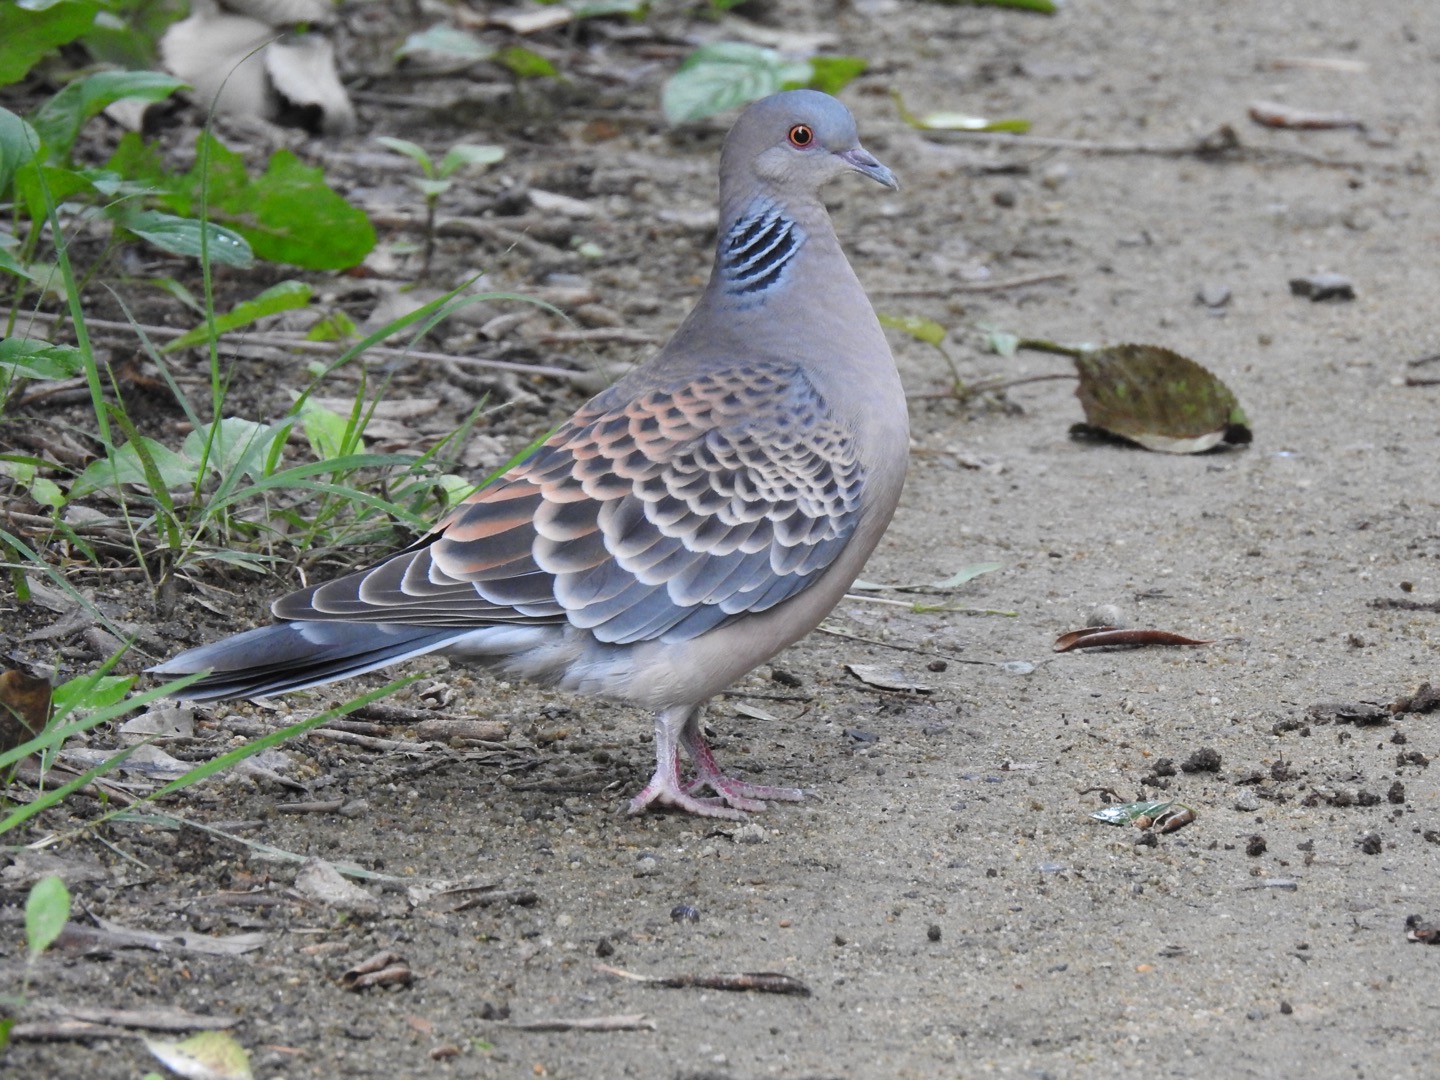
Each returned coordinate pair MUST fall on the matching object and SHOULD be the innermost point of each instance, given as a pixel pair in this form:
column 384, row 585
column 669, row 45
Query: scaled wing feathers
column 661, row 518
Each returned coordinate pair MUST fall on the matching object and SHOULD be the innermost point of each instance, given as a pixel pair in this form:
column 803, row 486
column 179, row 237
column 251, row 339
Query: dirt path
column 944, row 895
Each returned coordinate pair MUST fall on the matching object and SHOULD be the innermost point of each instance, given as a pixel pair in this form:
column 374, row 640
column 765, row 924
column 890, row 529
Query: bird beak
column 866, row 164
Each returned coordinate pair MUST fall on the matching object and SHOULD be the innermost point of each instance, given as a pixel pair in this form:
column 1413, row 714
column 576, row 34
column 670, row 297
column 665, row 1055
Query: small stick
column 630, row 1022
column 765, row 982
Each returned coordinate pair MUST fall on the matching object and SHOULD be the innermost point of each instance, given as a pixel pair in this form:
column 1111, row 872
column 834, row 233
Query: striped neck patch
column 758, row 250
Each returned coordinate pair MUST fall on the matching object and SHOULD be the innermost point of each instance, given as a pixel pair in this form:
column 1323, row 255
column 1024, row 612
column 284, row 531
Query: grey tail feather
column 296, row 655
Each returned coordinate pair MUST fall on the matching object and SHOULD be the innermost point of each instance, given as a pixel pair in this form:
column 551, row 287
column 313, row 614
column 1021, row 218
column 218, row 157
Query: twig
column 629, row 1022
column 765, row 982
column 977, row 286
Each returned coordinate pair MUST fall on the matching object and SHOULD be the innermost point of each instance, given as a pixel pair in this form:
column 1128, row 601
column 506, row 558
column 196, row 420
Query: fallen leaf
column 1096, row 637
column 24, row 707
column 210, row 1055
column 887, row 678
column 1273, row 115
column 1157, row 398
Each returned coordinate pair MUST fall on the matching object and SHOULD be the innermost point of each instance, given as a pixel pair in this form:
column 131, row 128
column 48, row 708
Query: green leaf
column 27, row 359
column 58, row 121
column 126, row 466
column 525, row 63
column 921, row 329
column 1158, row 399
column 447, row 41
column 236, row 445
column 286, row 296
column 288, row 215
column 462, row 154
column 186, row 236
column 325, row 430
column 18, row 143
column 830, row 74
column 40, row 187
column 47, row 910
column 28, row 32
column 411, row 150
column 337, row 326
column 728, row 73
column 87, row 693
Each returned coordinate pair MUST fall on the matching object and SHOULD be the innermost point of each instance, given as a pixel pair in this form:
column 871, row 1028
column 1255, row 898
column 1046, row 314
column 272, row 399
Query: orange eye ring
column 802, row 136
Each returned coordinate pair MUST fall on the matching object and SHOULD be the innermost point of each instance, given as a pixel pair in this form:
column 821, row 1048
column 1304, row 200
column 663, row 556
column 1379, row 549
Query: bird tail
column 296, row 655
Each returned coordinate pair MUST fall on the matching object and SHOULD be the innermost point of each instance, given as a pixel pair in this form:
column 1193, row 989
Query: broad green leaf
column 831, row 74
column 28, row 32
column 728, row 73
column 186, row 236
column 525, row 63
column 18, row 143
column 447, row 41
column 28, row 359
column 463, row 154
column 87, row 693
column 58, row 121
column 1157, row 398
column 47, row 910
column 325, row 430
column 125, row 466
column 288, row 215
column 286, row 296
column 41, row 187
column 921, row 329
column 237, row 445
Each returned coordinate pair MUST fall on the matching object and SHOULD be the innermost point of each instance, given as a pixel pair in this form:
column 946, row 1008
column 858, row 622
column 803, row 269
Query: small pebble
column 1247, row 801
column 1255, row 846
column 932, row 932
column 1286, row 1008
column 1319, row 287
column 1214, row 295
column 684, row 913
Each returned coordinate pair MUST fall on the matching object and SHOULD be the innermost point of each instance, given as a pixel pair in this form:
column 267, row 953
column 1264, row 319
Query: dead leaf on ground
column 1157, row 398
column 883, row 677
column 24, row 707
column 383, row 969
column 210, row 1055
column 1095, row 637
column 1272, row 114
column 318, row 880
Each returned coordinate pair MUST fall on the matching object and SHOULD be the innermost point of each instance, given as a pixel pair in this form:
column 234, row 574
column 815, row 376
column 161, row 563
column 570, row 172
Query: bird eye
column 801, row 136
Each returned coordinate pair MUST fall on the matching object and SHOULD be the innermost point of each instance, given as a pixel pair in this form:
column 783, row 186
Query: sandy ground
column 944, row 895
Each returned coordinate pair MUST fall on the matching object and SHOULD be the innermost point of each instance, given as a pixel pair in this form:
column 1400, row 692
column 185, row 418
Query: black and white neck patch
column 758, row 250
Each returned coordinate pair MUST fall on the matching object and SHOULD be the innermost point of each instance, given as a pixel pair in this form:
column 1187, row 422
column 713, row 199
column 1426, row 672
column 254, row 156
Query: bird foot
column 668, row 793
column 741, row 794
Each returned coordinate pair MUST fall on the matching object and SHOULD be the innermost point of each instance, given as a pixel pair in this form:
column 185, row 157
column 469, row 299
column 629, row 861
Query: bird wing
column 658, row 518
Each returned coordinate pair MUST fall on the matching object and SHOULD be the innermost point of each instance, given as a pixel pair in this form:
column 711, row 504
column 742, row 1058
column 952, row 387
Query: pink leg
column 738, row 793
column 664, row 788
